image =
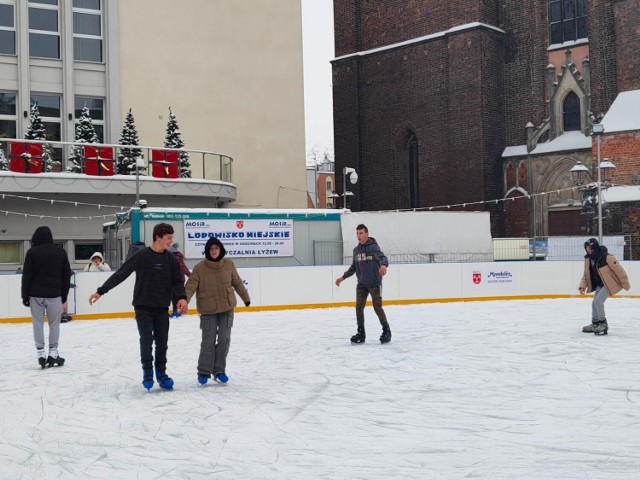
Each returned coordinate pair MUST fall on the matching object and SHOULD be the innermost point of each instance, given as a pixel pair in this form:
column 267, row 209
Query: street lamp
column 353, row 178
column 580, row 173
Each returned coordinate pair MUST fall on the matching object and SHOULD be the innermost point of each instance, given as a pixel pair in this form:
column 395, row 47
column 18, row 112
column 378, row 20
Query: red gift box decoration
column 164, row 164
column 98, row 161
column 25, row 157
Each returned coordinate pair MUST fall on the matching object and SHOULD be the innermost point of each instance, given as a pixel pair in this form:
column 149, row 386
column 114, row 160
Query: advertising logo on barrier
column 490, row 279
column 241, row 238
column 477, row 277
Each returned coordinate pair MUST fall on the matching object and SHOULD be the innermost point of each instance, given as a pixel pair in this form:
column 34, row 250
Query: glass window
column 87, row 49
column 96, row 112
column 84, row 251
column 7, row 30
column 7, row 103
column 10, row 252
column 45, row 2
column 86, row 24
column 88, row 4
column 571, row 112
column 567, row 20
column 41, row 19
column 7, row 128
column 49, row 105
column 47, row 46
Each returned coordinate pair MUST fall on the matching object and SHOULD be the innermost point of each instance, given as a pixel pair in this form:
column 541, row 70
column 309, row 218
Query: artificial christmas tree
column 173, row 139
column 36, row 131
column 85, row 133
column 127, row 157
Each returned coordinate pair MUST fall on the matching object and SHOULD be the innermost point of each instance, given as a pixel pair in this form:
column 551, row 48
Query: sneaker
column 221, row 378
column 203, row 378
column 163, row 380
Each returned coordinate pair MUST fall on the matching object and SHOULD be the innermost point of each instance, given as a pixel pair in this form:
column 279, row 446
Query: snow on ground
column 496, row 390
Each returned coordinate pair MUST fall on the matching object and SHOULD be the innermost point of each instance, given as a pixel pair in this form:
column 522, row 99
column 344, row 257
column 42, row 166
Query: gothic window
column 571, row 113
column 567, row 20
column 412, row 177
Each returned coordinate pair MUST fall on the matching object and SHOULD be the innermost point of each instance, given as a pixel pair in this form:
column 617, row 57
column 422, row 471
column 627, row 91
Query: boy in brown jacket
column 604, row 276
column 215, row 282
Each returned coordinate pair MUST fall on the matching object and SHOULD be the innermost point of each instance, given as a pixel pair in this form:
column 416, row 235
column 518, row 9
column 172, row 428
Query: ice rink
column 492, row 390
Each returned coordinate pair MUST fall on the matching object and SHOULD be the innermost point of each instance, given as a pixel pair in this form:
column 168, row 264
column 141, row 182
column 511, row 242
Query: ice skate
column 42, row 359
column 203, row 378
column 601, row 328
column 360, row 336
column 163, row 380
column 54, row 360
column 221, row 378
column 588, row 328
column 147, row 378
column 386, row 335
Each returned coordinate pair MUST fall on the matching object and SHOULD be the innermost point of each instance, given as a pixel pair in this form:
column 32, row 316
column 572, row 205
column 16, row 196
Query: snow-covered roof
column 568, row 141
column 622, row 193
column 624, row 114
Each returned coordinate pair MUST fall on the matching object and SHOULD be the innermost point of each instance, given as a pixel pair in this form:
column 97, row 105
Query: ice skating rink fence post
column 277, row 288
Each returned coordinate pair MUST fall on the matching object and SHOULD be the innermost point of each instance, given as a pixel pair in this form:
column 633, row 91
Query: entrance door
column 567, row 222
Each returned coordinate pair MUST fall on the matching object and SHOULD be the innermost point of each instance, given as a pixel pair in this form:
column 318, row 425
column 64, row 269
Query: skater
column 45, row 286
column 157, row 275
column 97, row 264
column 211, row 281
column 185, row 274
column 370, row 265
column 604, row 276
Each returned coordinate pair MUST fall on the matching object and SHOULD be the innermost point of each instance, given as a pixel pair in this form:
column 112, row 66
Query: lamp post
column 353, row 178
column 139, row 162
column 581, row 172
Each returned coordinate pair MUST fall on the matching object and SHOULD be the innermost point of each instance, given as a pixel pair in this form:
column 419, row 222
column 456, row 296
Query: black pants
column 153, row 325
column 362, row 293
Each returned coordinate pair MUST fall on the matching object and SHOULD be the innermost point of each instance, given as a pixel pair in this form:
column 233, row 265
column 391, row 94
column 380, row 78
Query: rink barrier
column 289, row 288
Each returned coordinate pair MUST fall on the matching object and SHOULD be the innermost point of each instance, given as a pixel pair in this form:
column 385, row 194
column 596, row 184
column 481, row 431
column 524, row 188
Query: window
column 44, row 31
column 8, row 119
column 96, row 112
column 7, row 29
column 49, row 107
column 84, row 251
column 571, row 113
column 87, row 31
column 10, row 252
column 567, row 20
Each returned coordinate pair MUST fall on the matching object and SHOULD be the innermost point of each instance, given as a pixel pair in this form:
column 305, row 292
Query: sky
column 318, row 51
column 488, row 390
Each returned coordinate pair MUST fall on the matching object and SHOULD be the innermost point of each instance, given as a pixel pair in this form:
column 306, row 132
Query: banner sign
column 241, row 238
column 490, row 279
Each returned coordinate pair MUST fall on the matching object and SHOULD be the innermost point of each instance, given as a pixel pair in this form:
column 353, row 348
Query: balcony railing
column 204, row 164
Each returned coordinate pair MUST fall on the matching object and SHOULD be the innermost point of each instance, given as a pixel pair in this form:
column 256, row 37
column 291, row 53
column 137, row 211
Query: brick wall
column 627, row 28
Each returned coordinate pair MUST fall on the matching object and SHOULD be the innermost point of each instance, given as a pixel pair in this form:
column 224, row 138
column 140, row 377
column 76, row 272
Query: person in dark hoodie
column 45, row 286
column 370, row 265
column 604, row 276
column 185, row 274
column 214, row 281
column 157, row 277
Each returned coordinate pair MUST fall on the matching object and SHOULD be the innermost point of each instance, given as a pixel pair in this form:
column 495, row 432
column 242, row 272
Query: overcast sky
column 317, row 28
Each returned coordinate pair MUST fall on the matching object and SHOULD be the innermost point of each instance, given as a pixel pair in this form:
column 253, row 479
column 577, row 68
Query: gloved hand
column 246, row 304
column 25, row 302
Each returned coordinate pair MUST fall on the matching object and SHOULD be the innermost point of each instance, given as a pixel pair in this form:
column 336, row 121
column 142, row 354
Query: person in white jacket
column 97, row 264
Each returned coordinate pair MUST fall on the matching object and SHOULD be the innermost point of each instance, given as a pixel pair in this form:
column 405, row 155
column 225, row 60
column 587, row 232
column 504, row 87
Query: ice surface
column 495, row 390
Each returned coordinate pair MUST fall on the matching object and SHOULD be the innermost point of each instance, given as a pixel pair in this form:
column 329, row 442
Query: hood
column 214, row 241
column 97, row 254
column 174, row 248
column 597, row 250
column 41, row 236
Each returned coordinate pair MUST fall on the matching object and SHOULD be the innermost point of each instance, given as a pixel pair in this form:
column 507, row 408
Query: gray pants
column 597, row 306
column 53, row 309
column 216, row 339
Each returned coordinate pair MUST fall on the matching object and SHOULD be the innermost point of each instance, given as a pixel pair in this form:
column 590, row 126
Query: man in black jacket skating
column 370, row 265
column 157, row 276
column 45, row 286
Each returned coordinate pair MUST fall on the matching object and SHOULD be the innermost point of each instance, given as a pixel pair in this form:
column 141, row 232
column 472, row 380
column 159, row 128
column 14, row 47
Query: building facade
column 443, row 104
column 231, row 72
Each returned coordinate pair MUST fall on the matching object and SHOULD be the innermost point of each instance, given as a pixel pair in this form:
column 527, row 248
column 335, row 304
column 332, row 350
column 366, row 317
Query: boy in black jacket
column 157, row 275
column 45, row 286
column 370, row 265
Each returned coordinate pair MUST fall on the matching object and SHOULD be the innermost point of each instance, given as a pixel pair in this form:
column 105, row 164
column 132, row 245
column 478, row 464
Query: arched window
column 571, row 113
column 567, row 20
column 413, row 181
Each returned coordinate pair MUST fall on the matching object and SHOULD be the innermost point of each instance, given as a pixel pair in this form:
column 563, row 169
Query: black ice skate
column 386, row 335
column 55, row 361
column 359, row 337
column 601, row 328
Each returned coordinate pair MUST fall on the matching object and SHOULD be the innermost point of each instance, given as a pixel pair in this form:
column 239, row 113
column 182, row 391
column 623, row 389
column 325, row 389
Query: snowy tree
column 128, row 156
column 36, row 131
column 85, row 133
column 4, row 163
column 174, row 140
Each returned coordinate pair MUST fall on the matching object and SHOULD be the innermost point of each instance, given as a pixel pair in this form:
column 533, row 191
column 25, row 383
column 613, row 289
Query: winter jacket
column 183, row 267
column 214, row 282
column 101, row 267
column 46, row 272
column 157, row 275
column 367, row 259
column 610, row 271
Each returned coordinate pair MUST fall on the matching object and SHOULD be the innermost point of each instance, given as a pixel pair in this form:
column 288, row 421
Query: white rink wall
column 313, row 287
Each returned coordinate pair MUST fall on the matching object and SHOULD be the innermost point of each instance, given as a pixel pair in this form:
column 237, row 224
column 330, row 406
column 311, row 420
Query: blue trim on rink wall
column 233, row 216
